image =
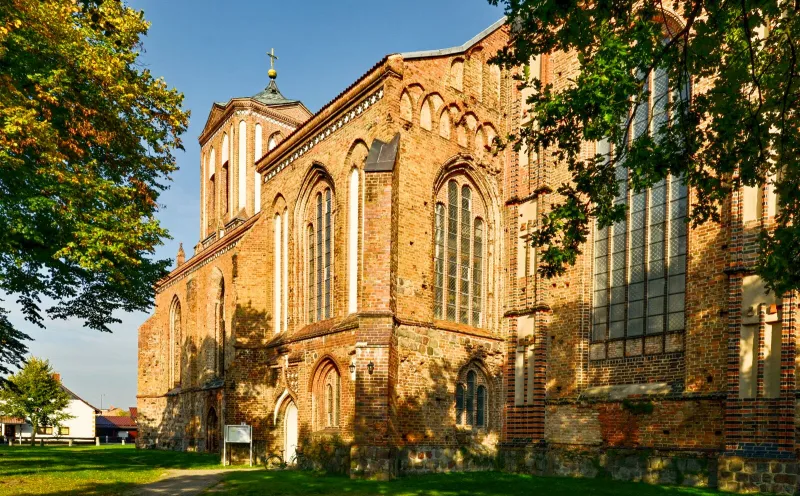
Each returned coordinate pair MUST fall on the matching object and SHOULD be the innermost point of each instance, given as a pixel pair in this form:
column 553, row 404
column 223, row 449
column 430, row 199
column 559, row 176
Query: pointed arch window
column 175, row 343
column 219, row 329
column 258, row 138
column 326, row 396
column 319, row 256
column 241, row 165
column 472, row 399
column 352, row 242
column 459, row 244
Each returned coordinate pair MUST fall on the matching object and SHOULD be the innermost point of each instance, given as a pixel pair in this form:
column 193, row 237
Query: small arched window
column 459, row 234
column 327, row 396
column 472, row 399
column 319, row 256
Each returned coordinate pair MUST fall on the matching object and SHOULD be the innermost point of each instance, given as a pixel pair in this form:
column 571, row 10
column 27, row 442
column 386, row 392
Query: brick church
column 364, row 281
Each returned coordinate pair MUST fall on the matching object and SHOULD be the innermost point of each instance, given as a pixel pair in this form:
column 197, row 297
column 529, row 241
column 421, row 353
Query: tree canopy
column 87, row 138
column 35, row 395
column 728, row 120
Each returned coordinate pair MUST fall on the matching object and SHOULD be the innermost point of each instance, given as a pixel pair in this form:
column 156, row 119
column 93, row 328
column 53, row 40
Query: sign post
column 238, row 434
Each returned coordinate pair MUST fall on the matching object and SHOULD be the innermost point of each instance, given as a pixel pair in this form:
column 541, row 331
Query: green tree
column 86, row 146
column 735, row 126
column 34, row 394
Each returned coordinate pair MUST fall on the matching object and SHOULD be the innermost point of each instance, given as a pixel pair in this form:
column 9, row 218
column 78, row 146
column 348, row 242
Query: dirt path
column 182, row 482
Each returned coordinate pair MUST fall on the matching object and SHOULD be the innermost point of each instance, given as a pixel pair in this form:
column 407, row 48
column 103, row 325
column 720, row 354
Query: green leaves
column 86, row 142
column 728, row 121
column 35, row 394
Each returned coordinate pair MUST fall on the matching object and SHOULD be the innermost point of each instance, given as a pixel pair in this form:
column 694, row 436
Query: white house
column 80, row 426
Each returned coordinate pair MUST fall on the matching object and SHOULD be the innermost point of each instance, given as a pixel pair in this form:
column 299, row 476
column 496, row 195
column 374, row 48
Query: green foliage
column 86, row 145
column 35, row 395
column 735, row 127
column 638, row 407
column 328, row 454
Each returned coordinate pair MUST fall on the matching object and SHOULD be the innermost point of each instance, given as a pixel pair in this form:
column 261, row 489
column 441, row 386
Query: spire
column 272, row 58
column 271, row 94
column 181, row 258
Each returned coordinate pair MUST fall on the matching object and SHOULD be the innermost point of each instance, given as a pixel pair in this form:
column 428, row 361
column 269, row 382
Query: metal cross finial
column 272, row 58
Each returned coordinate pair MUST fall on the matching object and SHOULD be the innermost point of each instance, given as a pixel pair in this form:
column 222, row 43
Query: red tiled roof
column 114, row 421
column 134, row 412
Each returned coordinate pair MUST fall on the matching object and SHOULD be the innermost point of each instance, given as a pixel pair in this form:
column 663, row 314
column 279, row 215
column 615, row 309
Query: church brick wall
column 658, row 408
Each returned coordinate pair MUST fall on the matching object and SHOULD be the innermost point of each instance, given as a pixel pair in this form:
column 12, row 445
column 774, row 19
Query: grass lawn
column 290, row 483
column 88, row 470
column 113, row 470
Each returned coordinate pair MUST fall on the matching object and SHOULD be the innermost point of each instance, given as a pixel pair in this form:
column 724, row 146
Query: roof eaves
column 458, row 49
column 309, row 123
column 75, row 396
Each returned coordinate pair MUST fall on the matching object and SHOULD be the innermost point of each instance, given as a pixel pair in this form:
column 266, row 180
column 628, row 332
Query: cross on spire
column 272, row 58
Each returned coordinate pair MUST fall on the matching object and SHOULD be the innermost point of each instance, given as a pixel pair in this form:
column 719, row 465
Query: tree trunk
column 34, row 426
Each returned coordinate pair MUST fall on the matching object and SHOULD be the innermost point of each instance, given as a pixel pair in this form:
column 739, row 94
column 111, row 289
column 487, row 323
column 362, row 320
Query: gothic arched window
column 219, row 323
column 258, row 138
column 472, row 399
column 459, row 234
column 327, row 395
column 319, row 256
column 280, row 270
column 175, row 343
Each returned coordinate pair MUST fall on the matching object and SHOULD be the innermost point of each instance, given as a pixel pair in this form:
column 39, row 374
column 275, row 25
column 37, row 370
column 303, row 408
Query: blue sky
column 212, row 51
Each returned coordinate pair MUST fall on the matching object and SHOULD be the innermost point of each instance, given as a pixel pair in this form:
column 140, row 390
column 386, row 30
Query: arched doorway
column 290, row 433
column 212, row 431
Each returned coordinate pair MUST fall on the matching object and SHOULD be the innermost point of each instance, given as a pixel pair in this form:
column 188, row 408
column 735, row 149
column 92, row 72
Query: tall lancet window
column 225, row 186
column 319, row 256
column 258, row 141
column 175, row 343
column 285, row 269
column 352, row 243
column 241, row 165
column 459, row 244
column 277, row 272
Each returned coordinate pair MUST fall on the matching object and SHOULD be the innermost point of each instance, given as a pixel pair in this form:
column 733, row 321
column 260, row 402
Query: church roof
column 271, row 95
column 458, row 49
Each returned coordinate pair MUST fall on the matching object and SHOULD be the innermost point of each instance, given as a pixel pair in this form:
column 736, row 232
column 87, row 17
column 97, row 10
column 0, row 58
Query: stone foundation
column 373, row 462
column 429, row 459
column 748, row 475
column 694, row 469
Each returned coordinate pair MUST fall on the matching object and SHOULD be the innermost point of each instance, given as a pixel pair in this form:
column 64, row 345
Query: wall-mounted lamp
column 370, row 367
column 353, row 369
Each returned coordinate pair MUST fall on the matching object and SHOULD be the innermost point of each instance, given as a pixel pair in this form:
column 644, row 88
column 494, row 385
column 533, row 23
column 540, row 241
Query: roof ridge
column 457, row 49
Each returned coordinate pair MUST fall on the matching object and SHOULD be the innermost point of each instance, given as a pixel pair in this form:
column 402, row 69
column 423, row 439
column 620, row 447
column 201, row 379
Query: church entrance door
column 212, row 431
column 290, row 433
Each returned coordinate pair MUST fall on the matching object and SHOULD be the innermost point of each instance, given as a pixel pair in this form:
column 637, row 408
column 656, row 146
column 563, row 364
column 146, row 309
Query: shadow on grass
column 290, row 483
column 83, row 489
column 88, row 470
column 22, row 460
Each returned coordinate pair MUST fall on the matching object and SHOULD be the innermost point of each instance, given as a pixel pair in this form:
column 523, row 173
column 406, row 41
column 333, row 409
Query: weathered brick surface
column 399, row 412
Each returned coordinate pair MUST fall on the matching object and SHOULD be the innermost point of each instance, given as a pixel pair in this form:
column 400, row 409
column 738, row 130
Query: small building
column 115, row 428
column 81, row 425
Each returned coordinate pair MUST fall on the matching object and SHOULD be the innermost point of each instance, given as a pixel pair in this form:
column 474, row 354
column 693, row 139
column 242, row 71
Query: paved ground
column 182, row 482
